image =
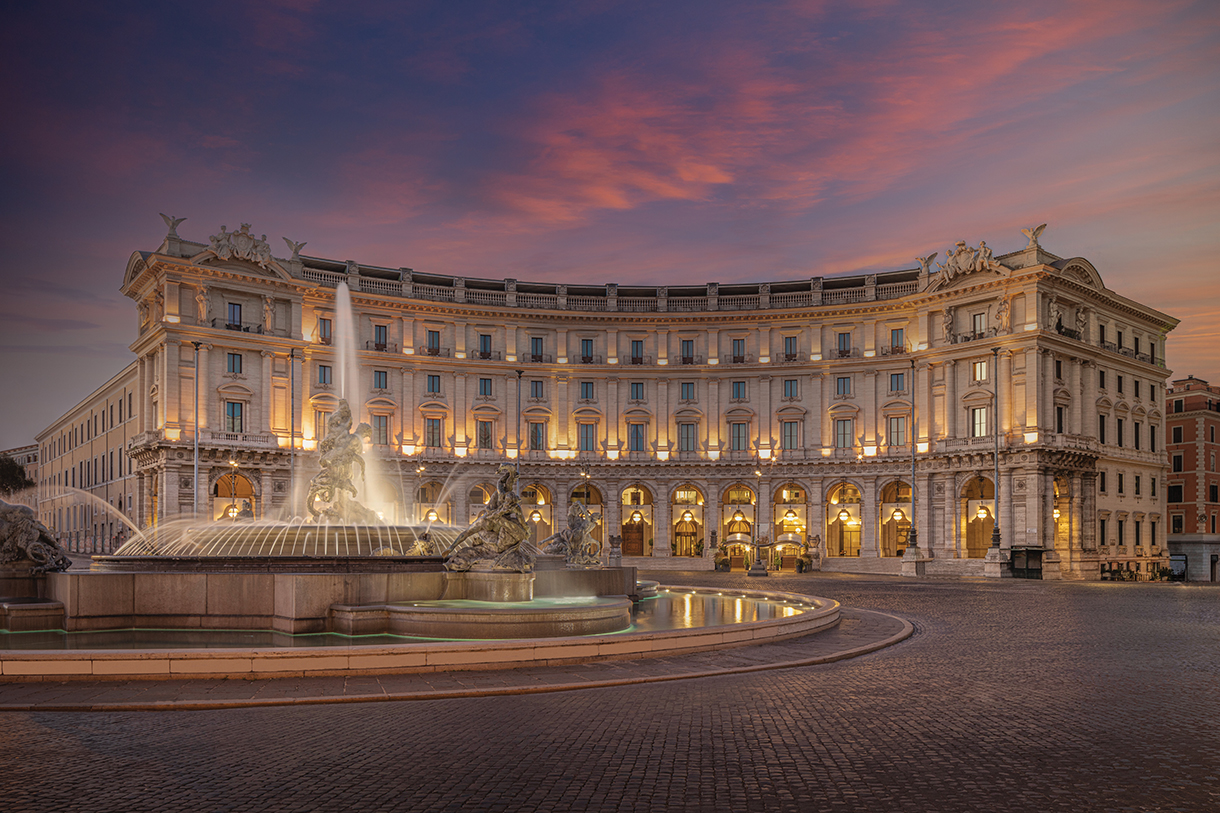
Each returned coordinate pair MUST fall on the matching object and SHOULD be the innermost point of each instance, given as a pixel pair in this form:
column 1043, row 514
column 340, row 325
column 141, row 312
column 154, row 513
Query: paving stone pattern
column 1010, row 696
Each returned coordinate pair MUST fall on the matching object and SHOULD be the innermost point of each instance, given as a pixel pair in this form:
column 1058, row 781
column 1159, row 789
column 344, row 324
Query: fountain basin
column 268, row 564
column 540, row 618
column 799, row 615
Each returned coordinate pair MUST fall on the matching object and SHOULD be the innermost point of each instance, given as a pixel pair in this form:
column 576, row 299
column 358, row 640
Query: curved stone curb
column 451, row 694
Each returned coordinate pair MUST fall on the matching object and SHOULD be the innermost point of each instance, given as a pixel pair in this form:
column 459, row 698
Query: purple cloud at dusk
column 600, row 141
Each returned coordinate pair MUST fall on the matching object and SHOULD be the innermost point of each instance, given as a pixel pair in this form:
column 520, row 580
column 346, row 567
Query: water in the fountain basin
column 670, row 610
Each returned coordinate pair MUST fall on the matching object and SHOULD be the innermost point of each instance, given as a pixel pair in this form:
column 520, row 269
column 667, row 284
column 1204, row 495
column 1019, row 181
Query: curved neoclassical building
column 697, row 420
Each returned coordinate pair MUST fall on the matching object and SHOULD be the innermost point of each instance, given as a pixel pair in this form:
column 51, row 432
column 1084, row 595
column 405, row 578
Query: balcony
column 845, row 353
column 432, row 350
column 689, row 360
column 589, row 360
column 747, row 358
column 487, row 355
column 894, row 350
column 381, row 347
column 973, row 336
column 538, row 358
column 239, row 327
column 1067, row 331
column 326, row 340
column 639, row 360
column 238, row 439
column 787, row 358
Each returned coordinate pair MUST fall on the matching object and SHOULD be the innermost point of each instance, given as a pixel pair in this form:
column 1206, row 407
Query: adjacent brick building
column 1192, row 416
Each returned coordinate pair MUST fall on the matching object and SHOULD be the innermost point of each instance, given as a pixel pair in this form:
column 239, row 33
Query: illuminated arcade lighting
column 738, row 516
column 688, row 516
column 431, row 516
column 536, row 516
column 637, row 516
column 844, row 515
column 790, row 515
column 1055, row 514
column 898, row 515
column 981, row 513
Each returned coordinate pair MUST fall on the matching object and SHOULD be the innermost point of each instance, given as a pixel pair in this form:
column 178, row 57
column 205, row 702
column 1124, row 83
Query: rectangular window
column 1118, row 431
column 1101, row 482
column 790, row 347
column 687, row 388
column 1120, row 339
column 686, row 437
column 233, row 416
column 319, row 423
column 381, row 380
column 324, row 331
column 1177, row 434
column 536, row 348
column 844, row 437
column 843, row 343
column 1101, row 428
column 1135, row 387
column 1177, row 405
column 1101, row 333
column 739, row 390
column 586, row 390
column 977, row 326
column 234, row 363
column 843, row 385
column 637, row 390
column 739, row 350
column 381, row 335
column 381, row 430
column 688, row 351
column 485, row 345
column 637, row 350
column 1177, row 523
column 433, row 431
column 1177, row 463
column 1121, row 484
column 1059, row 370
column 1101, row 531
column 485, row 387
column 898, row 338
column 897, row 430
column 433, row 340
column 1121, row 526
column 635, row 437
column 537, row 438
column 234, row 314
column 791, row 388
column 898, row 382
column 1213, row 493
column 791, row 435
column 588, row 437
column 1137, row 433
column 1137, row 485
column 586, row 350
column 483, row 438
column 978, row 422
column 1119, row 384
column 739, row 434
column 1153, row 492
column 978, row 371
column 1152, row 438
column 1101, row 379
column 434, row 385
column 1059, row 419
column 536, row 389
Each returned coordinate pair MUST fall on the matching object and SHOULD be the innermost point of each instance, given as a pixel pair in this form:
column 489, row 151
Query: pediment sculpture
column 241, row 245
column 963, row 259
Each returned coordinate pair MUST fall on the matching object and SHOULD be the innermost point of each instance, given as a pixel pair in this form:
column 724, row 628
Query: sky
column 631, row 142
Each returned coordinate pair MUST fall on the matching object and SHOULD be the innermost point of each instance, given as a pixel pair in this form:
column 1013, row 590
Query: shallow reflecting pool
column 669, row 610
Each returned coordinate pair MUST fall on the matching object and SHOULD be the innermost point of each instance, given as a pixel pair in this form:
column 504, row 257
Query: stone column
column 1004, row 385
column 953, row 518
column 921, row 392
column 171, row 389
column 612, row 509
column 711, row 517
column 1048, row 511
column 1075, row 386
column 1076, row 513
column 663, row 416
column 713, row 345
column 1033, row 387
column 266, row 394
column 924, row 515
column 1088, row 406
column 870, row 514
column 461, row 415
column 1088, row 511
column 951, row 405
column 1046, row 408
column 1004, row 510
column 662, row 525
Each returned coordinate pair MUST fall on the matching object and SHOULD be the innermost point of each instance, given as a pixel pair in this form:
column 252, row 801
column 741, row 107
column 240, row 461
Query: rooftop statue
column 497, row 533
column 341, row 449
column 575, row 542
column 1033, row 235
column 23, row 537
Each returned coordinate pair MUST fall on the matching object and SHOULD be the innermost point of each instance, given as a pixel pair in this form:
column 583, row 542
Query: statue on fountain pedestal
column 341, row 449
column 574, row 542
column 23, row 537
column 497, row 533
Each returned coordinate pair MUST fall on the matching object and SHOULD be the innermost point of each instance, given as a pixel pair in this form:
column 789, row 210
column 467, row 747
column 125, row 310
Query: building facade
column 1192, row 408
column 697, row 421
column 26, row 457
column 86, row 481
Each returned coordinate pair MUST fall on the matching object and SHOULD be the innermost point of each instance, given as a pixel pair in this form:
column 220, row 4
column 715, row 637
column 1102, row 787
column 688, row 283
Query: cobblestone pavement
column 1010, row 696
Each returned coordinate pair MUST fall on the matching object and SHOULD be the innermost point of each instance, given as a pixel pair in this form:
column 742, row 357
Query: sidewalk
column 859, row 632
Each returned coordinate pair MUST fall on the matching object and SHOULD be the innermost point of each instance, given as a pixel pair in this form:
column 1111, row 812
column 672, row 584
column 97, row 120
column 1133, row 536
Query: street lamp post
column 195, row 504
column 995, row 372
column 913, row 535
column 292, row 431
column 519, row 374
column 758, row 567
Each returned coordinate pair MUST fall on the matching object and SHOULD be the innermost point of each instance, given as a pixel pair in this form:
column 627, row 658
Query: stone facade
column 683, row 411
column 1192, row 421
